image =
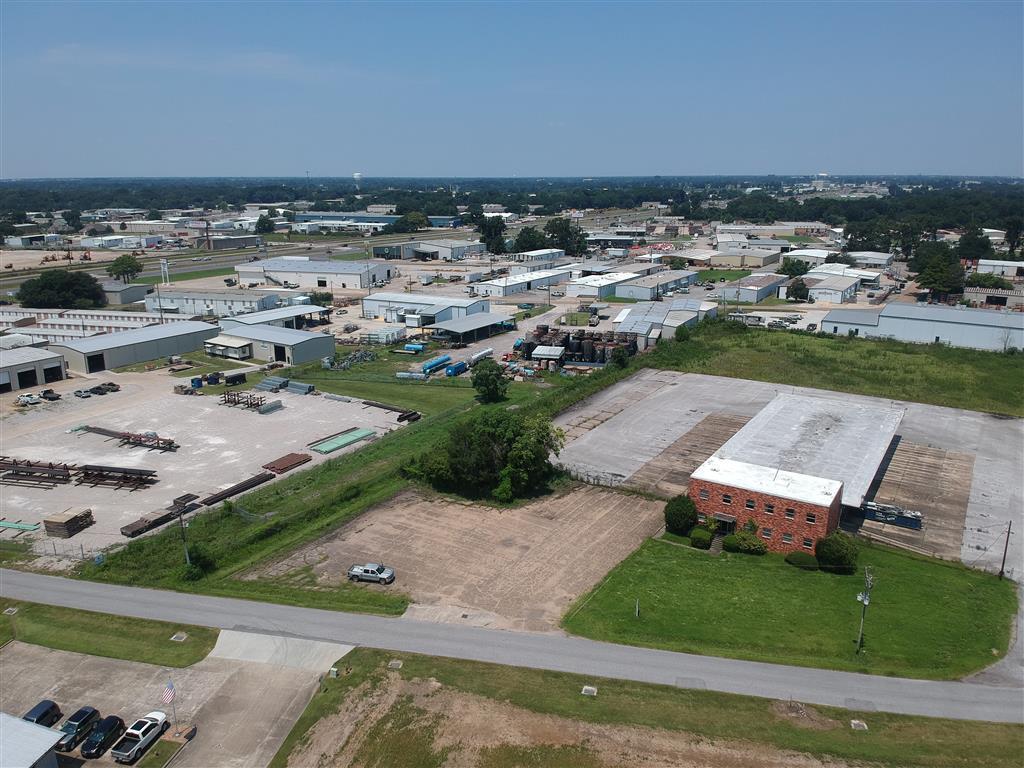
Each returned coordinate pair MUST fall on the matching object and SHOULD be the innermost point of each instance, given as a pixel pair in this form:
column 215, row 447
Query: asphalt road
column 961, row 701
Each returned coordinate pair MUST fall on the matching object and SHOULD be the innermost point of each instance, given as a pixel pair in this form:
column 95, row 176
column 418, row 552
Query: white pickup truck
column 139, row 736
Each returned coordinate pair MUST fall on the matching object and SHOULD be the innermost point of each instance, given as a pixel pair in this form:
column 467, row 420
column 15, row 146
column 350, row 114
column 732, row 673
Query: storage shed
column 270, row 343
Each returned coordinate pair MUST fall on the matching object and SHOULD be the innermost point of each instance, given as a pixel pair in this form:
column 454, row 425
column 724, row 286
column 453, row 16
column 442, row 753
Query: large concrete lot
column 220, row 446
column 243, row 698
column 961, row 469
column 506, row 568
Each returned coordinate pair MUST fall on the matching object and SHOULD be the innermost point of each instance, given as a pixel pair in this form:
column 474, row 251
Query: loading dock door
column 27, row 379
column 279, row 354
column 53, row 373
column 95, row 363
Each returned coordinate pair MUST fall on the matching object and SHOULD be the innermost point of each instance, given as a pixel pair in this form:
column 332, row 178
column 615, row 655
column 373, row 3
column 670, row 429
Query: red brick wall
column 827, row 518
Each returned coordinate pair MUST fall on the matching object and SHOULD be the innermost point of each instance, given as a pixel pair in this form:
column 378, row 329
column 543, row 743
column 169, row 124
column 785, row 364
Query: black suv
column 77, row 727
column 107, row 731
column 46, row 713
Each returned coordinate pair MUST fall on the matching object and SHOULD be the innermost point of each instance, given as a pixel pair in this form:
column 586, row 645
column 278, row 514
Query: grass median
column 727, row 729
column 101, row 634
column 928, row 618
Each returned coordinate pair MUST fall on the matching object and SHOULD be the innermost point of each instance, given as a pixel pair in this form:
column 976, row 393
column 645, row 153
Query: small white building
column 1011, row 270
column 657, row 284
column 308, row 273
column 217, row 303
column 752, row 288
column 871, row 259
column 269, row 343
column 540, row 256
column 417, row 310
column 598, row 286
column 812, row 257
column 834, row 289
column 527, row 281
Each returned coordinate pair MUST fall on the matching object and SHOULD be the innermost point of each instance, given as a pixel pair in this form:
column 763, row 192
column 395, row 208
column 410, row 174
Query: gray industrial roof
column 422, row 299
column 449, row 243
column 822, row 436
column 270, row 333
column 22, row 355
column 104, row 341
column 23, row 743
column 661, row 278
column 858, row 316
column 281, row 313
column 282, row 264
column 939, row 313
column 471, row 322
column 759, row 280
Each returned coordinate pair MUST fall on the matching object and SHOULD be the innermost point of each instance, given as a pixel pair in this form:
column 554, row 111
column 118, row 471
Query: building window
column 704, row 494
column 702, row 518
column 769, row 509
column 790, row 513
column 726, row 498
column 749, row 504
column 811, row 518
column 787, row 538
column 808, row 543
column 766, row 533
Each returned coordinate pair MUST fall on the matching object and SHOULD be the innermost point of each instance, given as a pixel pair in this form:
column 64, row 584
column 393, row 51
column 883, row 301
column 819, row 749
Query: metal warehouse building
column 269, row 343
column 870, row 259
column 295, row 316
column 932, row 324
column 466, row 330
column 526, row 281
column 307, row 273
column 747, row 258
column 28, row 367
column 219, row 303
column 430, row 250
column 1013, row 270
column 415, row 310
column 752, row 288
column 834, row 289
column 598, row 286
column 113, row 350
column 651, row 286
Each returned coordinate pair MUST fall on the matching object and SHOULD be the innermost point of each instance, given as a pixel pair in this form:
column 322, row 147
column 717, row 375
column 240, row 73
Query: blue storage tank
column 456, row 368
column 414, row 347
column 438, row 362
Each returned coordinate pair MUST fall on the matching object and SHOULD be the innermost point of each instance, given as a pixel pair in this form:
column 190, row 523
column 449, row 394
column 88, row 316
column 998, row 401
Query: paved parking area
column 242, row 709
column 506, row 568
column 640, row 431
column 220, row 446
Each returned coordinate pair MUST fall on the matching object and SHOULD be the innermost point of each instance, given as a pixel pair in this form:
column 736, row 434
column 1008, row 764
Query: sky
column 510, row 89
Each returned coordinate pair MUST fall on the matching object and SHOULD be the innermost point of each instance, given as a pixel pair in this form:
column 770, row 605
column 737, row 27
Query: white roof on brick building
column 768, row 480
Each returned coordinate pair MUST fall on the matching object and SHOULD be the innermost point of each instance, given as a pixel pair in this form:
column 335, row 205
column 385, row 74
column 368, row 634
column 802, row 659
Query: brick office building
column 791, row 510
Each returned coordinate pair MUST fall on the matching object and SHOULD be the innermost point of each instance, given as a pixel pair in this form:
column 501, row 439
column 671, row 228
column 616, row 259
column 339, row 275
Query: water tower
column 357, row 177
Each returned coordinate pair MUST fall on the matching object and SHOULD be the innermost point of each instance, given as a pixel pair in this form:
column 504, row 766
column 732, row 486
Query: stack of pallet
column 67, row 524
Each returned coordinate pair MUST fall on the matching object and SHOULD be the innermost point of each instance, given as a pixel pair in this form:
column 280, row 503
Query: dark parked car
column 107, row 731
column 49, row 394
column 46, row 713
column 99, row 389
column 111, row 386
column 77, row 727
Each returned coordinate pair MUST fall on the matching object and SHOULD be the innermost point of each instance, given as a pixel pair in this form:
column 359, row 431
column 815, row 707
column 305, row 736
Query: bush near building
column 680, row 515
column 700, row 538
column 837, row 553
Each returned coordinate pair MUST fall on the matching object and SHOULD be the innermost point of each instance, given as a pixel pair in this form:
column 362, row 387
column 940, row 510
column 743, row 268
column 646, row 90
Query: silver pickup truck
column 139, row 736
column 372, row 572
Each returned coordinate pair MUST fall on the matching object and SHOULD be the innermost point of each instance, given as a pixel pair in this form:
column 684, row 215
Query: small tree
column 321, row 298
column 264, row 225
column 798, row 290
column 619, row 358
column 680, row 515
column 125, row 268
column 530, row 239
column 792, row 267
column 154, row 215
column 837, row 553
column 489, row 381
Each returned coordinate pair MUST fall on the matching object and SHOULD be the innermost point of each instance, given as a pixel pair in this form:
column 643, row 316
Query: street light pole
column 184, row 542
column 864, row 598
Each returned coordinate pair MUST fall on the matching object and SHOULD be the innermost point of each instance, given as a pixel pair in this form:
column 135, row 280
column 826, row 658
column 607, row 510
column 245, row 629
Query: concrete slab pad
column 294, row 652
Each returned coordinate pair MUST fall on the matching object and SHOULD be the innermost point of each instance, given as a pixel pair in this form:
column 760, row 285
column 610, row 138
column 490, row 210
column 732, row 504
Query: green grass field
column 923, row 373
column 722, row 719
column 718, row 274
column 100, row 634
column 763, row 609
column 179, row 277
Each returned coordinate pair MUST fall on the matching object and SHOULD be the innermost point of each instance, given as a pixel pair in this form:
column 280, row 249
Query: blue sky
column 526, row 89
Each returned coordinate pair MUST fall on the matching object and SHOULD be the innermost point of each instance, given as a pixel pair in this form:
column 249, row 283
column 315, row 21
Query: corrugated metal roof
column 856, row 316
column 471, row 322
column 283, row 264
column 24, row 742
column 422, row 299
column 104, row 341
column 22, row 355
column 942, row 314
column 270, row 333
column 281, row 313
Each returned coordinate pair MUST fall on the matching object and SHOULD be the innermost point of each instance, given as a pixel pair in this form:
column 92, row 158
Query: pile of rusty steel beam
column 67, row 524
column 149, row 440
column 115, row 477
column 147, row 522
column 183, row 504
column 285, row 463
column 43, row 473
column 238, row 488
column 244, row 399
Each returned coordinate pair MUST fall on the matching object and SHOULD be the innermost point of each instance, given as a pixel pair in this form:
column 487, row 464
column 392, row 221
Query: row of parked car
column 97, row 734
column 50, row 395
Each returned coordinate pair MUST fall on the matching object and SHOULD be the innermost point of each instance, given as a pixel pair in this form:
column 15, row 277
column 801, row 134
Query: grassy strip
column 923, row 373
column 718, row 274
column 158, row 754
column 178, row 277
column 732, row 719
column 762, row 609
column 100, row 634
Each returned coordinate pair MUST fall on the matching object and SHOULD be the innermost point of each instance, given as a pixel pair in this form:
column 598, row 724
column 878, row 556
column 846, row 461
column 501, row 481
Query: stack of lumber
column 67, row 524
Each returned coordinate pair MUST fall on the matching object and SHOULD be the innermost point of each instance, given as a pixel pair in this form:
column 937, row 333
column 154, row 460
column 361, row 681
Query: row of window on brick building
column 769, row 509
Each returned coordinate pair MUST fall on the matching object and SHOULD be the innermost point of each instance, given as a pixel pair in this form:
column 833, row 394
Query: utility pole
column 184, row 542
column 864, row 598
column 1006, row 547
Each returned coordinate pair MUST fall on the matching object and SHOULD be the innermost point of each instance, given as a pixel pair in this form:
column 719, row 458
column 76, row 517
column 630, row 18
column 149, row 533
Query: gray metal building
column 121, row 293
column 932, row 324
column 28, row 367
column 307, row 273
column 415, row 310
column 752, row 288
column 113, row 350
column 218, row 303
column 654, row 285
column 271, row 343
column 294, row 316
column 431, row 250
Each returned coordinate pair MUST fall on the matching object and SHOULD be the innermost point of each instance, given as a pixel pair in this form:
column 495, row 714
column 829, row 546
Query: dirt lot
column 220, row 446
column 508, row 568
column 467, row 726
column 961, row 469
column 242, row 709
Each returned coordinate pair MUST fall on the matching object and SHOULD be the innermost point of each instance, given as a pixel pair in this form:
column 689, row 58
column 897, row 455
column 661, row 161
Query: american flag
column 168, row 694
